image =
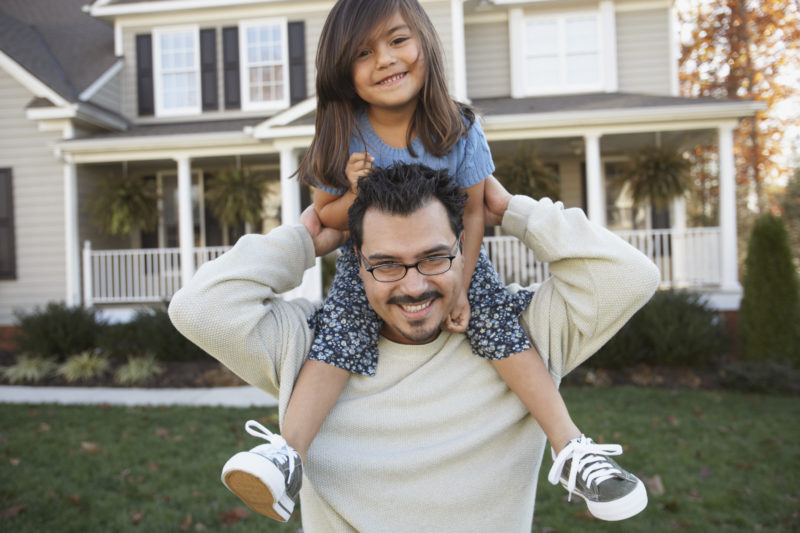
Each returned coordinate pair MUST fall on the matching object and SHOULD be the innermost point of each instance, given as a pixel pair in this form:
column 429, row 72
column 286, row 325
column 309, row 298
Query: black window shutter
column 230, row 65
column 297, row 62
column 8, row 259
column 144, row 74
column 208, row 69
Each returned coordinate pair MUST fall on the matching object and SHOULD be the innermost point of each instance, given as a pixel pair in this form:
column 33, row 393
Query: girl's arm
column 332, row 208
column 473, row 229
column 473, row 237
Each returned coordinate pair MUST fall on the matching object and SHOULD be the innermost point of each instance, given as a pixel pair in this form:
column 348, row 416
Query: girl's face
column 389, row 69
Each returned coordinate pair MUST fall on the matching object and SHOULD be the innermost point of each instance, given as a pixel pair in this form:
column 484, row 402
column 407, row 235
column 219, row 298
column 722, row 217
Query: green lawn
column 725, row 461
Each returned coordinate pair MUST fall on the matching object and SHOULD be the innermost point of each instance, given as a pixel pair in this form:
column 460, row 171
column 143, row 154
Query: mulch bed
column 208, row 372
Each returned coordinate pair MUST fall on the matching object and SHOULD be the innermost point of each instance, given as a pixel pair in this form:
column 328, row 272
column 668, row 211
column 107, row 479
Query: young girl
column 382, row 98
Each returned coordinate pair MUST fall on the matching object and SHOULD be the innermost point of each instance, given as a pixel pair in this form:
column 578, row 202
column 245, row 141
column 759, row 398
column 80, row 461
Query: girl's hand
column 495, row 201
column 459, row 315
column 358, row 165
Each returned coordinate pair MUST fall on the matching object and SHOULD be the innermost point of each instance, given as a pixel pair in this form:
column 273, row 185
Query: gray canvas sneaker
column 583, row 468
column 268, row 477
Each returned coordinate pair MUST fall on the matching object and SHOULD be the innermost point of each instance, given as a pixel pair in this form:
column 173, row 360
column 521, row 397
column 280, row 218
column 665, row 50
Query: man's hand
column 358, row 165
column 495, row 201
column 325, row 239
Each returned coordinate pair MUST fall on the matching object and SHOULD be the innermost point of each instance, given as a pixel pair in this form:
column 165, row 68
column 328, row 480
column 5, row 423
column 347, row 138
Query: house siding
column 438, row 11
column 38, row 206
column 488, row 60
column 643, row 43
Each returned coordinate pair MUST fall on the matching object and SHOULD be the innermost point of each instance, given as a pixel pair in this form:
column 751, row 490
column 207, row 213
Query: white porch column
column 311, row 286
column 185, row 222
column 290, row 187
column 595, row 190
column 727, row 211
column 679, row 240
column 72, row 251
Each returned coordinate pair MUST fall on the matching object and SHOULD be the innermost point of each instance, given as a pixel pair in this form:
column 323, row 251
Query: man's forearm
column 230, row 307
column 598, row 280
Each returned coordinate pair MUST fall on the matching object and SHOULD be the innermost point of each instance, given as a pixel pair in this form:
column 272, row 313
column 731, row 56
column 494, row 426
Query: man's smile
column 413, row 305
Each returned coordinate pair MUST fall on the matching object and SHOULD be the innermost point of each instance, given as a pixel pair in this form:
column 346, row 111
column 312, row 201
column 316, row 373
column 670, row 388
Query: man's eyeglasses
column 430, row 266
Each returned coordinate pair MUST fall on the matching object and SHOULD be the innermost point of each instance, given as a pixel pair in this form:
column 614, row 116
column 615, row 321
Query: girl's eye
column 362, row 53
column 399, row 40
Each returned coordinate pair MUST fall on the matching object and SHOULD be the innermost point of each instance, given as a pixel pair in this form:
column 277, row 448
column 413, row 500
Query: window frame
column 160, row 110
column 561, row 86
column 244, row 65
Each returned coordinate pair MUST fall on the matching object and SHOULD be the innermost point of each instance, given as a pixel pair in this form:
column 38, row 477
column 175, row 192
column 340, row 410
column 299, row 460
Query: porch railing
column 136, row 276
column 686, row 259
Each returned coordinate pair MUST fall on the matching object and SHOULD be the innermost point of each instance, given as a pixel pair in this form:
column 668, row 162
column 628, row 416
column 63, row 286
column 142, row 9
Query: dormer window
column 176, row 63
column 264, row 59
column 561, row 53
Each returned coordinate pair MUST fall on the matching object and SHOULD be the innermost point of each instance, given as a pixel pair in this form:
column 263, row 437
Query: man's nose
column 414, row 283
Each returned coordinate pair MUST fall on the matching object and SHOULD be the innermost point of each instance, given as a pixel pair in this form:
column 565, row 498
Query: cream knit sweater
column 435, row 441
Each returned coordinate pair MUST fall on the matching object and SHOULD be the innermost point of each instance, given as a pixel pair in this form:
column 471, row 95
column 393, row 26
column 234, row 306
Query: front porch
column 586, row 145
column 687, row 259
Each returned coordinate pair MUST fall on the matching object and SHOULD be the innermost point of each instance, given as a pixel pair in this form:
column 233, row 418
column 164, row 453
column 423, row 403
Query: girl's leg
column 268, row 477
column 318, row 387
column 526, row 375
column 579, row 464
column 345, row 341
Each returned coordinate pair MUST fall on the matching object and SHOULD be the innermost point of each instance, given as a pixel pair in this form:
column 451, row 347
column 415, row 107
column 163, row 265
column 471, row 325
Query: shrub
column 760, row 376
column 57, row 330
column 83, row 367
column 675, row 328
column 150, row 332
column 137, row 370
column 769, row 313
column 29, row 369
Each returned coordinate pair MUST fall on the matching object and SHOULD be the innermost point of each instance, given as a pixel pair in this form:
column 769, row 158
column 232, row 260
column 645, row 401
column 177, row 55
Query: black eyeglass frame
column 457, row 247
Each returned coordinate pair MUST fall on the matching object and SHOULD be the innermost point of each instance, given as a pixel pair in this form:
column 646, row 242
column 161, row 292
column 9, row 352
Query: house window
column 8, row 261
column 562, row 54
column 264, row 60
column 177, row 70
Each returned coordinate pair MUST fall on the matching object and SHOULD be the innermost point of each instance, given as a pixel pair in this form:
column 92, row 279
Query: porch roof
column 503, row 118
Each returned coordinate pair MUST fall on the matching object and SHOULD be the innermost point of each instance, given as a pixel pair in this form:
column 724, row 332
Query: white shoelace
column 277, row 444
column 584, row 452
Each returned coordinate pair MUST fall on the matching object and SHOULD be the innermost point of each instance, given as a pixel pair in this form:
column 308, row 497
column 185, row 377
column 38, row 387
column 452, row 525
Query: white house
column 176, row 91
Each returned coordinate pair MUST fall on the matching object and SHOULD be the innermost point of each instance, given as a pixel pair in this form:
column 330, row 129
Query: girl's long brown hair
column 438, row 120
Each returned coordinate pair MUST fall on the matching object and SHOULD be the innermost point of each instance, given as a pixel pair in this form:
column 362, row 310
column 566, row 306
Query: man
column 435, row 441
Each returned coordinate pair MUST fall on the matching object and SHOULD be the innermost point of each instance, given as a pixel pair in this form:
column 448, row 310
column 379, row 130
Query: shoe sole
column 630, row 505
column 259, row 484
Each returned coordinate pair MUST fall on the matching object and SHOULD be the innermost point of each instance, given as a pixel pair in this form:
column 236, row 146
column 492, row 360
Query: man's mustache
column 405, row 299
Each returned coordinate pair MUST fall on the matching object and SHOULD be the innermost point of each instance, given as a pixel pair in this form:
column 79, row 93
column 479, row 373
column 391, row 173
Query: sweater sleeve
column 231, row 308
column 598, row 281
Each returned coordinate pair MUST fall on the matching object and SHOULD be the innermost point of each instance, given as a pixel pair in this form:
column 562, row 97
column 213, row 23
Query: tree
column 746, row 49
column 658, row 174
column 121, row 204
column 790, row 204
column 770, row 308
column 522, row 172
column 235, row 196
